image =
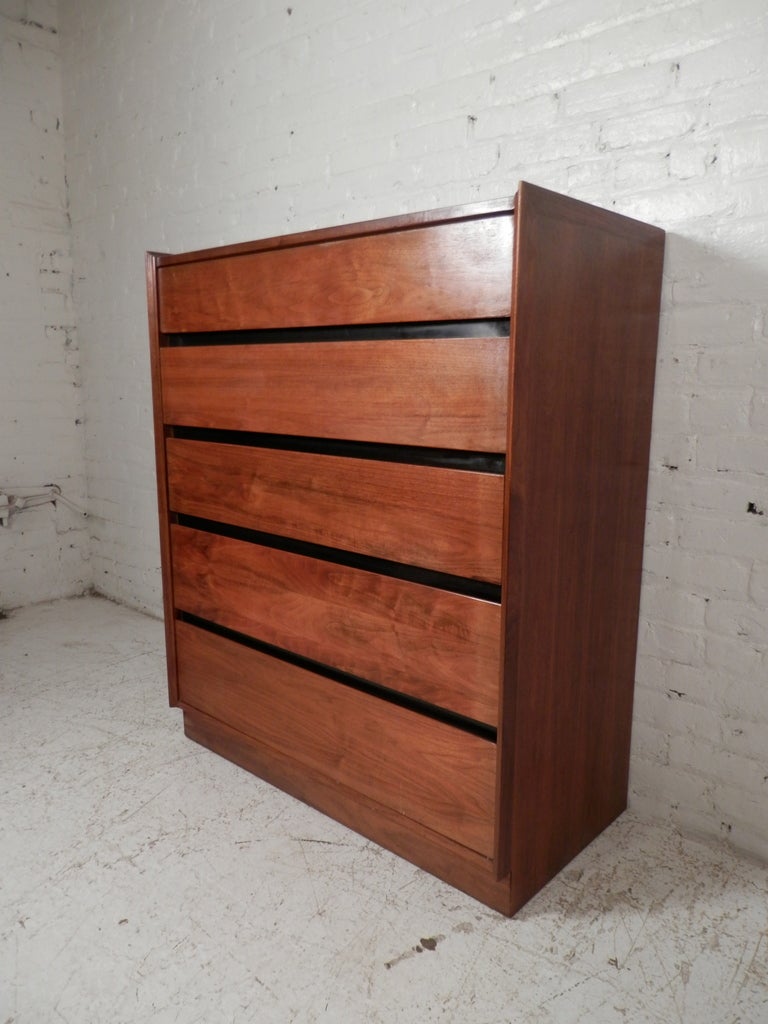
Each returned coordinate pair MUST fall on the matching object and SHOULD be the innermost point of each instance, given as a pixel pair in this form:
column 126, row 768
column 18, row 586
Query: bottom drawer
column 431, row 772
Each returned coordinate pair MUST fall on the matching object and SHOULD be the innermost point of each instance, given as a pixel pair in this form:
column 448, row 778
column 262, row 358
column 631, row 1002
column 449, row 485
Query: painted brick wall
column 44, row 553
column 197, row 123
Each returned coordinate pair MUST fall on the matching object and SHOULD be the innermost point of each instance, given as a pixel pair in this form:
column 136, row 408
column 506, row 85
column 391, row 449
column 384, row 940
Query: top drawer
column 452, row 271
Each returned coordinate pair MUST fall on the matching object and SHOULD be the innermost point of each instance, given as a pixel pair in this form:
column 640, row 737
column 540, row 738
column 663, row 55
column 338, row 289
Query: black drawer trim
column 381, row 566
column 494, row 328
column 444, row 458
column 345, row 678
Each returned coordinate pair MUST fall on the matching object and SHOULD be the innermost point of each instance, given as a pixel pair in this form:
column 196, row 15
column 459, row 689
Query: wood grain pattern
column 448, row 520
column 426, row 770
column 444, row 393
column 450, row 271
column 587, row 288
column 432, row 644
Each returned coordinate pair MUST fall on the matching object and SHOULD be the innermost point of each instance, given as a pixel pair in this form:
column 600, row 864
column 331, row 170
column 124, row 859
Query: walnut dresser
column 402, row 471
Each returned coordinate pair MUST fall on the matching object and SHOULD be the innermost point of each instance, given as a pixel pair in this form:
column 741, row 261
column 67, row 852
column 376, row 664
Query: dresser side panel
column 151, row 262
column 585, row 324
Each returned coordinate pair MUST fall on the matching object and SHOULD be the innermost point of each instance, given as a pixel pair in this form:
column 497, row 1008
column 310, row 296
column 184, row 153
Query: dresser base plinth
column 448, row 861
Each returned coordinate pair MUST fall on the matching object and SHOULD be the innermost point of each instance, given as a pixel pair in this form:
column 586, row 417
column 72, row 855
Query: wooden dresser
column 402, row 472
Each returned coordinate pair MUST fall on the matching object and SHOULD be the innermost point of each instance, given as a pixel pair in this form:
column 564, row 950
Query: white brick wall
column 43, row 554
column 208, row 121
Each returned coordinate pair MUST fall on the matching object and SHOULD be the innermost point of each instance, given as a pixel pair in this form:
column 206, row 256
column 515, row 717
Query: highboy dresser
column 402, row 472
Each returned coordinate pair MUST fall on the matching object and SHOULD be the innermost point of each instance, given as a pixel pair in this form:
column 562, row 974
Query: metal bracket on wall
column 20, row 499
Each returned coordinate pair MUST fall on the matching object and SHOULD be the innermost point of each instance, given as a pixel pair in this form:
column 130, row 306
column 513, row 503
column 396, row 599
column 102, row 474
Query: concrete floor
column 143, row 878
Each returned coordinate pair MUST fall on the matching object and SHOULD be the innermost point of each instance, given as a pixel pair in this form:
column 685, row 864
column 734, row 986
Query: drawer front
column 443, row 519
column 443, row 393
column 438, row 646
column 453, row 271
column 430, row 772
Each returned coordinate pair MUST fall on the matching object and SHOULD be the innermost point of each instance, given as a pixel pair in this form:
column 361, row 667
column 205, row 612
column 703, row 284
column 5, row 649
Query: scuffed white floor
column 143, row 878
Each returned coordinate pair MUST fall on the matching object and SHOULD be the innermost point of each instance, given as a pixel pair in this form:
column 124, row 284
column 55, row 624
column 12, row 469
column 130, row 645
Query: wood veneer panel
column 585, row 325
column 451, row 271
column 443, row 393
column 426, row 770
column 438, row 646
column 448, row 520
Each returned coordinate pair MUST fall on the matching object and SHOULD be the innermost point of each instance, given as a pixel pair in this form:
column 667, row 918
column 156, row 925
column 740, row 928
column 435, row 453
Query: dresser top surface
column 402, row 222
